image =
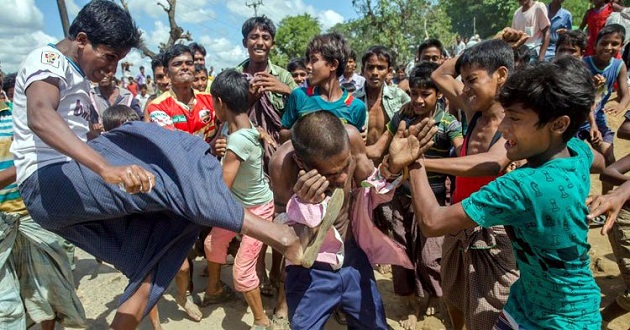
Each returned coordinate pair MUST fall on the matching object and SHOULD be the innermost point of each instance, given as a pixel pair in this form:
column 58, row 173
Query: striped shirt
column 10, row 199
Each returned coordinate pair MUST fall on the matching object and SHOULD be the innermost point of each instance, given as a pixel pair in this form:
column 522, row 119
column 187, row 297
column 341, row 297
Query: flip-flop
column 335, row 203
column 226, row 295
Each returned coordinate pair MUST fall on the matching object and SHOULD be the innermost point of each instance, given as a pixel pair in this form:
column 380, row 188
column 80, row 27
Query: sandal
column 335, row 203
column 227, row 294
column 280, row 323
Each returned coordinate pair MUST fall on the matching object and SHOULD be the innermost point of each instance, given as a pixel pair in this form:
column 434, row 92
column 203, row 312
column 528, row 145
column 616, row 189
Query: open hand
column 409, row 145
column 609, row 204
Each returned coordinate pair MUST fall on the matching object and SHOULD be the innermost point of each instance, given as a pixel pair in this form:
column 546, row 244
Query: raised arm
column 484, row 164
column 43, row 119
column 444, row 78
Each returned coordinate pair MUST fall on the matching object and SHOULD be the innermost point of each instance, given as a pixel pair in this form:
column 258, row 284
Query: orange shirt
column 168, row 112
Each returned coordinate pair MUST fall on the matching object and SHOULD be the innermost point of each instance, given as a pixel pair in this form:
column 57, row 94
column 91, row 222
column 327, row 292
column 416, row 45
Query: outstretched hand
column 409, row 145
column 609, row 204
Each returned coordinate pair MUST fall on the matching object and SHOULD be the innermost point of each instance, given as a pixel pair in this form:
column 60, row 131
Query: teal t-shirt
column 544, row 212
column 250, row 187
column 305, row 100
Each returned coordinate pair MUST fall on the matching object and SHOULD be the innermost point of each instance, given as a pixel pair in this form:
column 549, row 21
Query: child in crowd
column 540, row 204
column 117, row 115
column 595, row 18
column 613, row 71
column 572, row 43
column 619, row 232
column 243, row 174
column 201, row 78
column 297, row 68
column 326, row 60
column 426, row 253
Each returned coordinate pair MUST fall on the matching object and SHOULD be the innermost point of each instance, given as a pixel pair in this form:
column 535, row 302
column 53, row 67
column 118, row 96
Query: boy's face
column 338, row 169
column 319, row 69
column 299, row 75
column 524, row 139
column 162, row 81
column 258, row 43
column 480, row 87
column 98, row 62
column 431, row 54
column 143, row 91
column 375, row 71
column 201, row 81
column 423, row 100
column 181, row 69
column 569, row 50
column 608, row 46
column 351, row 65
column 400, row 74
column 198, row 58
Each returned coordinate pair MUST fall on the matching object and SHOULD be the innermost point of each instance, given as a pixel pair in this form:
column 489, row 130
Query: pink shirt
column 379, row 248
column 532, row 21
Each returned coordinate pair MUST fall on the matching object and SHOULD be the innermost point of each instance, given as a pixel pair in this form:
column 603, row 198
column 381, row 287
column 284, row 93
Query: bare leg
column 214, row 278
column 182, row 279
column 48, row 325
column 130, row 313
column 255, row 303
column 154, row 316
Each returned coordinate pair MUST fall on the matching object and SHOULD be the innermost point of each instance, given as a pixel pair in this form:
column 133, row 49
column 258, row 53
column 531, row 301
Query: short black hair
column 232, row 88
column 195, row 47
column 9, row 82
column 261, row 22
column 296, row 63
column 612, row 29
column 381, row 52
column 117, row 115
column 420, row 76
column 563, row 87
column 318, row 135
column 488, row 55
column 141, row 67
column 332, row 46
column 523, row 54
column 200, row 68
column 174, row 51
column 142, row 86
column 156, row 61
column 352, row 55
column 430, row 43
column 572, row 38
column 106, row 23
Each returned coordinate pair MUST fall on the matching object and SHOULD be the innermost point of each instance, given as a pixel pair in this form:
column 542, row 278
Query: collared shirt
column 277, row 100
column 170, row 113
column 99, row 103
column 561, row 20
column 357, row 80
column 393, row 99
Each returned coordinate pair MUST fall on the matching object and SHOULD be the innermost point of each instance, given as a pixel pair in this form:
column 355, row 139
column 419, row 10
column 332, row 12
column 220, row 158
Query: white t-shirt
column 29, row 151
column 532, row 21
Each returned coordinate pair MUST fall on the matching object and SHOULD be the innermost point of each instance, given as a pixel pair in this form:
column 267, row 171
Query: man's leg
column 311, row 294
column 360, row 299
column 182, row 280
column 130, row 313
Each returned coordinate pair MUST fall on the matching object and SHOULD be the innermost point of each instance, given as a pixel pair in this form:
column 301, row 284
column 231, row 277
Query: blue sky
column 28, row 24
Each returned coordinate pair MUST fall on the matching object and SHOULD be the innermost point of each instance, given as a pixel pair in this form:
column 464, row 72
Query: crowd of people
column 465, row 176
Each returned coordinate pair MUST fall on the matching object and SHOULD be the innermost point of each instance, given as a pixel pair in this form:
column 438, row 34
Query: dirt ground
column 100, row 286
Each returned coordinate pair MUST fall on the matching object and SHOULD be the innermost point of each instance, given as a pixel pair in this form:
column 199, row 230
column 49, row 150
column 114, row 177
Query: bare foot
column 410, row 322
column 190, row 308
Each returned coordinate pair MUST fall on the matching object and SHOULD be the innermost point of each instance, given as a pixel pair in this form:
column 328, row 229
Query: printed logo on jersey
column 179, row 119
column 50, row 58
column 205, row 116
column 161, row 118
column 81, row 110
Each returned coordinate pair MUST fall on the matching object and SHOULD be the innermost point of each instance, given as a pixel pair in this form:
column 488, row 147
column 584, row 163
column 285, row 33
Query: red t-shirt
column 167, row 112
column 596, row 19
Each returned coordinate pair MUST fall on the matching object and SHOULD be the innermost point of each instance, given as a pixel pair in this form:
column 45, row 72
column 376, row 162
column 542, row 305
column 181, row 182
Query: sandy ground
column 100, row 286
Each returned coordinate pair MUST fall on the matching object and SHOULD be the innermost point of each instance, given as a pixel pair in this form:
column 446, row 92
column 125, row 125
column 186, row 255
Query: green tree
column 577, row 8
column 292, row 36
column 483, row 17
column 399, row 25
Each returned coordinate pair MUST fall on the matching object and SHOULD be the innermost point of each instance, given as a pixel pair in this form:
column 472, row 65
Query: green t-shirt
column 304, row 100
column 449, row 129
column 250, row 186
column 544, row 212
